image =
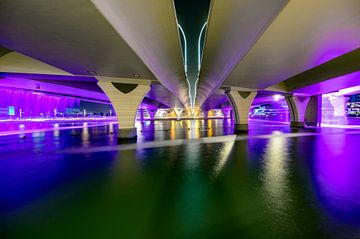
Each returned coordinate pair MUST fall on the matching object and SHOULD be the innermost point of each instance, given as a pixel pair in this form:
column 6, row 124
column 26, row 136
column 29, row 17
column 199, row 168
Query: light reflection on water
column 275, row 172
column 267, row 187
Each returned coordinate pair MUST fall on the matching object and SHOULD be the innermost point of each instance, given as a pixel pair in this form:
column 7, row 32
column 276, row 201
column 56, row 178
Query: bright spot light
column 22, row 126
column 277, row 97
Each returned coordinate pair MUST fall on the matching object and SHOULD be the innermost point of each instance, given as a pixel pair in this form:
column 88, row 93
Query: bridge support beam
column 125, row 96
column 141, row 114
column 152, row 113
column 241, row 102
column 226, row 112
column 178, row 112
column 297, row 107
column 313, row 113
column 206, row 114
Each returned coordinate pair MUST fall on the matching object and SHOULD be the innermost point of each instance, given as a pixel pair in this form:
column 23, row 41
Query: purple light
column 34, row 104
column 336, row 108
column 336, row 176
column 278, row 97
column 276, row 110
column 13, row 127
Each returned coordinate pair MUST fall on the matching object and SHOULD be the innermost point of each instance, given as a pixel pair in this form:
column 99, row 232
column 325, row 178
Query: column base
column 297, row 124
column 128, row 133
column 241, row 128
column 313, row 124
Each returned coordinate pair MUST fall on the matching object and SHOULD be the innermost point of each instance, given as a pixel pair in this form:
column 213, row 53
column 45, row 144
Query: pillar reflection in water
column 172, row 130
column 193, row 129
column 193, row 197
column 275, row 173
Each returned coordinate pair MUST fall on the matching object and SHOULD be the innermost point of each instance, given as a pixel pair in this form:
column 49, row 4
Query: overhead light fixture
column 136, row 75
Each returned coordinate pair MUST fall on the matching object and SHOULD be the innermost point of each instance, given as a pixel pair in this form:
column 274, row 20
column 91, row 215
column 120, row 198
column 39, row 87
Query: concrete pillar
column 152, row 113
column 125, row 97
column 241, row 102
column 226, row 112
column 339, row 104
column 206, row 114
column 297, row 107
column 141, row 114
column 313, row 113
column 178, row 113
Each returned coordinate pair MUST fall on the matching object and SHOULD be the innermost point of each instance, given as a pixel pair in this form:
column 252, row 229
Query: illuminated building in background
column 274, row 111
column 341, row 109
column 353, row 106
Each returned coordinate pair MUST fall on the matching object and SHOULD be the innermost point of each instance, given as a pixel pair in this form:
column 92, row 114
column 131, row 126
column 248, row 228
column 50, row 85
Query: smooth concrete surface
column 127, row 133
column 241, row 102
column 297, row 107
column 125, row 104
column 241, row 128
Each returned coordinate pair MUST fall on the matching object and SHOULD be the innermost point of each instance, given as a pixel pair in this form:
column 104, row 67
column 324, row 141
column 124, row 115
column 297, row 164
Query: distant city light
column 277, row 97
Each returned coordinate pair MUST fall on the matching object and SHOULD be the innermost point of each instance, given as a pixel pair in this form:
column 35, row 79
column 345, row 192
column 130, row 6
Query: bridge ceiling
column 108, row 38
column 233, row 28
column 296, row 36
column 305, row 34
column 216, row 100
column 70, row 35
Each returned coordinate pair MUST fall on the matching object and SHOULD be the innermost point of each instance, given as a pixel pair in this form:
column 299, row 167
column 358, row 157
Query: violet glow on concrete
column 147, row 110
column 49, row 77
column 64, row 86
column 227, row 112
column 25, row 104
column 332, row 45
column 336, row 108
column 28, row 127
column 331, row 85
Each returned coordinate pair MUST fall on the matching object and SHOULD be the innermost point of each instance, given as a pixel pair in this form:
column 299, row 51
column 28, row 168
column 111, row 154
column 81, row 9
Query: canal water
column 187, row 179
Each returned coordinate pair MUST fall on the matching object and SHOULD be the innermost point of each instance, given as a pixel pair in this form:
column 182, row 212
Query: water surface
column 273, row 183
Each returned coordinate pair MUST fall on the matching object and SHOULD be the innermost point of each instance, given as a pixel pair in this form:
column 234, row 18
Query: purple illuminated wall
column 34, row 104
column 274, row 111
column 341, row 110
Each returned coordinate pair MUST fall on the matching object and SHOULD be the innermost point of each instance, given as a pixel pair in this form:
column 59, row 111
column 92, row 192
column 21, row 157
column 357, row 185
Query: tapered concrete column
column 152, row 113
column 226, row 112
column 125, row 97
column 313, row 113
column 141, row 114
column 339, row 104
column 297, row 107
column 206, row 114
column 178, row 113
column 241, row 102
